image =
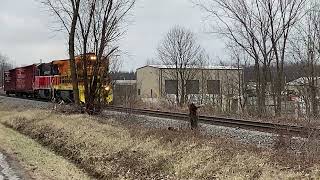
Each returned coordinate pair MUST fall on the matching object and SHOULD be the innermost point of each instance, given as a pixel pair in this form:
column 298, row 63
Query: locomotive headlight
column 107, row 88
column 93, row 57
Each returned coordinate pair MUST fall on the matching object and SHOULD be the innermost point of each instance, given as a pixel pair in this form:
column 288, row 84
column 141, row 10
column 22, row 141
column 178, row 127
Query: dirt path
column 6, row 171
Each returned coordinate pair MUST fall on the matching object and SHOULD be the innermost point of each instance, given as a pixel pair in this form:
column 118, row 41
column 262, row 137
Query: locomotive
column 52, row 81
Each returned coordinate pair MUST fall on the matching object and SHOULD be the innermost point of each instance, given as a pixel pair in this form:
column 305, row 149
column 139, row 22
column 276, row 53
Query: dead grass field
column 114, row 151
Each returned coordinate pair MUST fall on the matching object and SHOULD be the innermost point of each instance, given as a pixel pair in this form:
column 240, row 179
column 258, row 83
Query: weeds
column 297, row 153
column 115, row 150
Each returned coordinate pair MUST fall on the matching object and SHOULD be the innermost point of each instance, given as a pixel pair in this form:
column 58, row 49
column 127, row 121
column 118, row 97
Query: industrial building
column 220, row 85
column 124, row 91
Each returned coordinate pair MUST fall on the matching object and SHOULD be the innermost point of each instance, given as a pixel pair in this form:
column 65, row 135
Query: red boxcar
column 21, row 80
column 10, row 81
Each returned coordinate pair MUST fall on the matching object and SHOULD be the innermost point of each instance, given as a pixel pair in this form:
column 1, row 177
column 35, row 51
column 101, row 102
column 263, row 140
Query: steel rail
column 26, row 98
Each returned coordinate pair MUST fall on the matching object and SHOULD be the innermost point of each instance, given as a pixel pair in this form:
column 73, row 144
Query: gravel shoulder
column 260, row 139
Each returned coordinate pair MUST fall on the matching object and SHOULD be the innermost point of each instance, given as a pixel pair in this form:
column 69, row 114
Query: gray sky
column 26, row 33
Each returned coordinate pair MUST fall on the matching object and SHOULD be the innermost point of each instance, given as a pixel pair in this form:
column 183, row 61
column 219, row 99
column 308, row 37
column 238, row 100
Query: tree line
column 268, row 34
column 274, row 41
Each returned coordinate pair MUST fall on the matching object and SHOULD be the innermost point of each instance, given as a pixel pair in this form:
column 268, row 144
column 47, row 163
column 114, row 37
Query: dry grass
column 114, row 151
column 301, row 154
column 38, row 162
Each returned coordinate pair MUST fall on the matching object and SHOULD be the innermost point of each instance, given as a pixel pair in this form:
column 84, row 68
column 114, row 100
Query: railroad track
column 299, row 131
column 26, row 98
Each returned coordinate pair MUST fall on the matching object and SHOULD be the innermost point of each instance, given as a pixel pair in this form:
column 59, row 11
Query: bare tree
column 241, row 25
column 261, row 29
column 93, row 26
column 101, row 24
column 203, row 60
column 283, row 15
column 152, row 61
column 67, row 13
column 240, row 59
column 4, row 66
column 180, row 51
column 85, row 16
column 305, row 48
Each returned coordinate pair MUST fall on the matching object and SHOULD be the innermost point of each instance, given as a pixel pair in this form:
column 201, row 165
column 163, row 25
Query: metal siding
column 25, row 78
column 10, row 80
column 123, row 93
column 43, row 82
column 147, row 80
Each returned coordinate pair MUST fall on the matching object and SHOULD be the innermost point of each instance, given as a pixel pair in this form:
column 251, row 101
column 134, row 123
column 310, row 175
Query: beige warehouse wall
column 147, row 81
column 229, row 84
column 229, row 79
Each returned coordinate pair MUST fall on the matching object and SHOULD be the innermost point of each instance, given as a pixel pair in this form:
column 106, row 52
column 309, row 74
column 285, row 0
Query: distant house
column 302, row 81
column 299, row 91
column 209, row 84
column 302, row 84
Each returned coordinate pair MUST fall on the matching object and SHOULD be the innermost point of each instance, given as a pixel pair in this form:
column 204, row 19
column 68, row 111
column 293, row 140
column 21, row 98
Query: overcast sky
column 26, row 33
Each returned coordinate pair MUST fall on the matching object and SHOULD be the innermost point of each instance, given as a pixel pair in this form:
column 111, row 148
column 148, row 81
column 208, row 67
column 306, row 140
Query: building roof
column 194, row 67
column 301, row 81
column 125, row 82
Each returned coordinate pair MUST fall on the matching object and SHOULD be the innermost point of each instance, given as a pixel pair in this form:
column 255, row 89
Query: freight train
column 51, row 81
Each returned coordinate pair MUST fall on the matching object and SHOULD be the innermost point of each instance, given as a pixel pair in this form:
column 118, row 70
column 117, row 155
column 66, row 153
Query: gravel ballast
column 261, row 139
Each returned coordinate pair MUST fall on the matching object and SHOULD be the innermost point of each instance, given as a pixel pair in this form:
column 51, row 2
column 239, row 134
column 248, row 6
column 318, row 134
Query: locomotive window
column 55, row 69
column 46, row 69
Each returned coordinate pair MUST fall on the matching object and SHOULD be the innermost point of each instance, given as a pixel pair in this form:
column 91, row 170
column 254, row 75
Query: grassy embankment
column 38, row 162
column 116, row 151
